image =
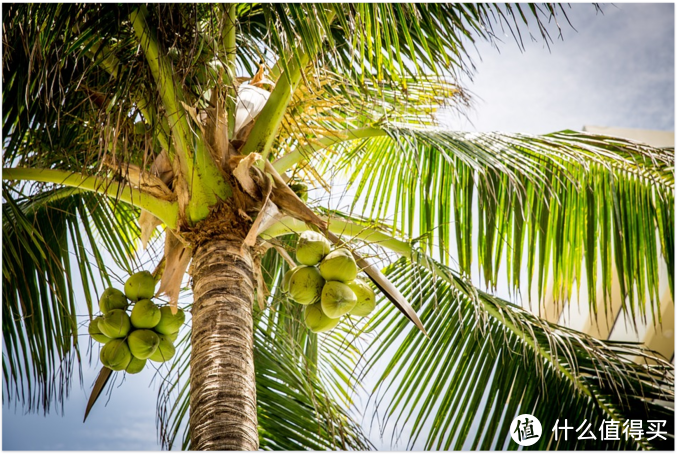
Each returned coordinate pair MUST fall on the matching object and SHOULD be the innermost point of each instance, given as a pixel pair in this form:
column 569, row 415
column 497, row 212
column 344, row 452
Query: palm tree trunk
column 223, row 414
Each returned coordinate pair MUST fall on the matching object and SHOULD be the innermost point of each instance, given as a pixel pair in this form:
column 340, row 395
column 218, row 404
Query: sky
column 616, row 69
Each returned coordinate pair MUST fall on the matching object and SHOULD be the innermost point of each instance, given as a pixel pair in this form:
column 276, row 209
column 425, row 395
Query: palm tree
column 130, row 121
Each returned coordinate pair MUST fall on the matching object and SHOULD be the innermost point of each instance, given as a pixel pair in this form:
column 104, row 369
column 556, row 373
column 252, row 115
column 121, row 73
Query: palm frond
column 488, row 361
column 326, row 106
column 42, row 285
column 56, row 97
column 421, row 39
column 540, row 204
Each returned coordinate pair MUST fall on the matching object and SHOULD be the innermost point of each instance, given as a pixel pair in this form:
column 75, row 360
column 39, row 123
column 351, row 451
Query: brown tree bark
column 223, row 414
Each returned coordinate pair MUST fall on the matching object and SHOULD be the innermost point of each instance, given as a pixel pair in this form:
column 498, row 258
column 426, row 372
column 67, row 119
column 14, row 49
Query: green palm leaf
column 49, row 243
column 538, row 204
column 488, row 361
column 422, row 38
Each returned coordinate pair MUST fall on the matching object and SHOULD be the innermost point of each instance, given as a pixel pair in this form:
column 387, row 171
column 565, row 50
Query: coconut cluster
column 148, row 332
column 326, row 283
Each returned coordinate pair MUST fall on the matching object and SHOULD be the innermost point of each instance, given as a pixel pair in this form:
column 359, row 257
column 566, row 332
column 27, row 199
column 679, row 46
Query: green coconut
column 365, row 298
column 337, row 299
column 95, row 333
column 115, row 324
column 140, row 286
column 116, row 355
column 317, row 321
column 135, row 366
column 172, row 337
column 112, row 298
column 145, row 314
column 143, row 343
column 339, row 265
column 305, row 285
column 165, row 351
column 285, row 283
column 311, row 248
column 169, row 323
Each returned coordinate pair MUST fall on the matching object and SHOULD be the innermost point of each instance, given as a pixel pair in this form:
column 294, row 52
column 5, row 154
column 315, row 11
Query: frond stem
column 267, row 124
column 164, row 210
column 287, row 161
column 229, row 44
column 205, row 180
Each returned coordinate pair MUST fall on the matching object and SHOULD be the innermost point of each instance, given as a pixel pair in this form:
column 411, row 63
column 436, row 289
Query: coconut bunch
column 326, row 283
column 148, row 332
